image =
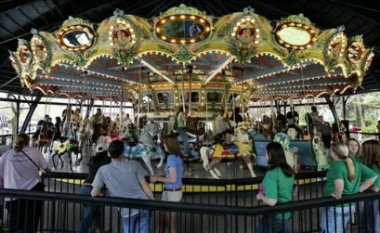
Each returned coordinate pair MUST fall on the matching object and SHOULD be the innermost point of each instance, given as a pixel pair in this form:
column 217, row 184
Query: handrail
column 190, row 207
column 197, row 181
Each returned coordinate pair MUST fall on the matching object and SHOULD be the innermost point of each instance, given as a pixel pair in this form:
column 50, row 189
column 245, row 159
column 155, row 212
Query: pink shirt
column 18, row 171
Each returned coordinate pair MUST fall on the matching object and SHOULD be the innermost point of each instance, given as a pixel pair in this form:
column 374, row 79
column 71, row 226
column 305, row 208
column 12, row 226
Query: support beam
column 33, row 107
column 89, row 107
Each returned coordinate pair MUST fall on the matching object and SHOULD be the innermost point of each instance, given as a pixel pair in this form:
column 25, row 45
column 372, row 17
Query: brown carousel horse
column 45, row 137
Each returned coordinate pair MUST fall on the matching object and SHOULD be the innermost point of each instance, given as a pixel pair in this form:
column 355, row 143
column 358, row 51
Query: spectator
column 91, row 213
column 281, row 117
column 292, row 117
column 370, row 216
column 40, row 125
column 312, row 119
column 125, row 178
column 172, row 181
column 181, row 129
column 346, row 176
column 19, row 168
column 127, row 120
column 277, row 187
column 57, row 132
column 325, row 130
column 236, row 117
column 221, row 123
column 96, row 124
column 353, row 147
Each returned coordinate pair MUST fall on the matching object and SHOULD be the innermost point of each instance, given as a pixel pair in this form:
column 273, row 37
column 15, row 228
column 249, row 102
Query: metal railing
column 226, row 192
column 63, row 213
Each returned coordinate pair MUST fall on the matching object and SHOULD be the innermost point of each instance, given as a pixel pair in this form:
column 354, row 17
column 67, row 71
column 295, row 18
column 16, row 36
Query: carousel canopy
column 186, row 55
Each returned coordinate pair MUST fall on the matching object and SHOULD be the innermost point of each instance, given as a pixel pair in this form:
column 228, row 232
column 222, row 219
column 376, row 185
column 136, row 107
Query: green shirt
column 180, row 122
column 339, row 171
column 277, row 186
column 376, row 169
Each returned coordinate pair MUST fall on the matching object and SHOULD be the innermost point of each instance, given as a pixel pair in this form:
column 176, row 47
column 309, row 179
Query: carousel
column 185, row 57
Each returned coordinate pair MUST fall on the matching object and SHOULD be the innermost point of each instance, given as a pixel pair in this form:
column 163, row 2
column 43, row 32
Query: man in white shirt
column 221, row 124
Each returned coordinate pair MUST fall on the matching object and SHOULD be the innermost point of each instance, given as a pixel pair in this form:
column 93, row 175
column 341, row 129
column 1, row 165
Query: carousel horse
column 145, row 147
column 290, row 153
column 229, row 148
column 45, row 137
column 195, row 133
column 84, row 137
column 295, row 133
column 65, row 146
column 321, row 153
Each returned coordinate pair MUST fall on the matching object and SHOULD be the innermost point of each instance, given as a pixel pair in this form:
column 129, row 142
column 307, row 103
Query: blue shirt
column 175, row 162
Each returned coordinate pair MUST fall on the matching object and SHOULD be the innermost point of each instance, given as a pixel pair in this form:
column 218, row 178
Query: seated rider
column 181, row 129
column 96, row 124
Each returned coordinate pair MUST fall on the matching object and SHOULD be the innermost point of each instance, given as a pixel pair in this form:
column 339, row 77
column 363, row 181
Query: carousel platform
column 230, row 169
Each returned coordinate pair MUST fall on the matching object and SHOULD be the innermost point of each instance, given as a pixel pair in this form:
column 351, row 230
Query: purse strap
column 39, row 169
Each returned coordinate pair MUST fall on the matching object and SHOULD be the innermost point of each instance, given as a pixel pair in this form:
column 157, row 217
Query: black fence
column 226, row 192
column 63, row 213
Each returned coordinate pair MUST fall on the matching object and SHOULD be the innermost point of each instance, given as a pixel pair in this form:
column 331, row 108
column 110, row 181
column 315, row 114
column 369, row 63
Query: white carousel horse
column 321, row 153
column 292, row 133
column 146, row 148
column 240, row 147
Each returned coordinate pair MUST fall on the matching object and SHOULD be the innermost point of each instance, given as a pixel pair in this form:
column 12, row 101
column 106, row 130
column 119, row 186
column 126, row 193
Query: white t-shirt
column 220, row 125
column 18, row 171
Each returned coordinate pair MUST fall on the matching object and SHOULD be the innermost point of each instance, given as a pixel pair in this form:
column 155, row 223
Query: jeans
column 91, row 213
column 269, row 224
column 182, row 136
column 137, row 223
column 335, row 218
column 370, row 217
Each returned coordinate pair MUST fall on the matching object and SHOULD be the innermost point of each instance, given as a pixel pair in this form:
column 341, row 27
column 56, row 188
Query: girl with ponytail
column 346, row 176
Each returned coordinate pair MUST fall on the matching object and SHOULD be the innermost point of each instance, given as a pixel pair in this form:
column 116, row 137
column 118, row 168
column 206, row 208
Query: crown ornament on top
column 71, row 21
column 183, row 9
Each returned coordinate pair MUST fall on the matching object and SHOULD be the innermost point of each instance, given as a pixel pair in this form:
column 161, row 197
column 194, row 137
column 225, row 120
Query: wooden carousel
column 187, row 57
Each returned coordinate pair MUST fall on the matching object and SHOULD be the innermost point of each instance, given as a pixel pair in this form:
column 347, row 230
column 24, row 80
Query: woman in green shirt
column 346, row 176
column 370, row 216
column 277, row 187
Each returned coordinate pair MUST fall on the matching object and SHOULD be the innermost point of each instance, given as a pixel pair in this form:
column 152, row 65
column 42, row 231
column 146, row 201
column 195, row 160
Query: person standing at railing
column 353, row 147
column 20, row 168
column 277, row 187
column 370, row 216
column 125, row 178
column 91, row 213
column 172, row 182
column 346, row 176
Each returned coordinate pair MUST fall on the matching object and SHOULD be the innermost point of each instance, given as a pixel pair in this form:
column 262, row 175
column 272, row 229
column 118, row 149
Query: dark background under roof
column 360, row 17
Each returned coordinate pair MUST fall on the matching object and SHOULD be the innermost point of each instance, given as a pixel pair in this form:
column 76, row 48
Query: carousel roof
column 186, row 54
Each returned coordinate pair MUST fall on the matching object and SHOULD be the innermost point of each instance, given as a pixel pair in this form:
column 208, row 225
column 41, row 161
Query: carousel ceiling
column 184, row 54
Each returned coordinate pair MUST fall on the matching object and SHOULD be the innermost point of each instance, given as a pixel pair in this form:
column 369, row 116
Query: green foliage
column 369, row 129
column 370, row 122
